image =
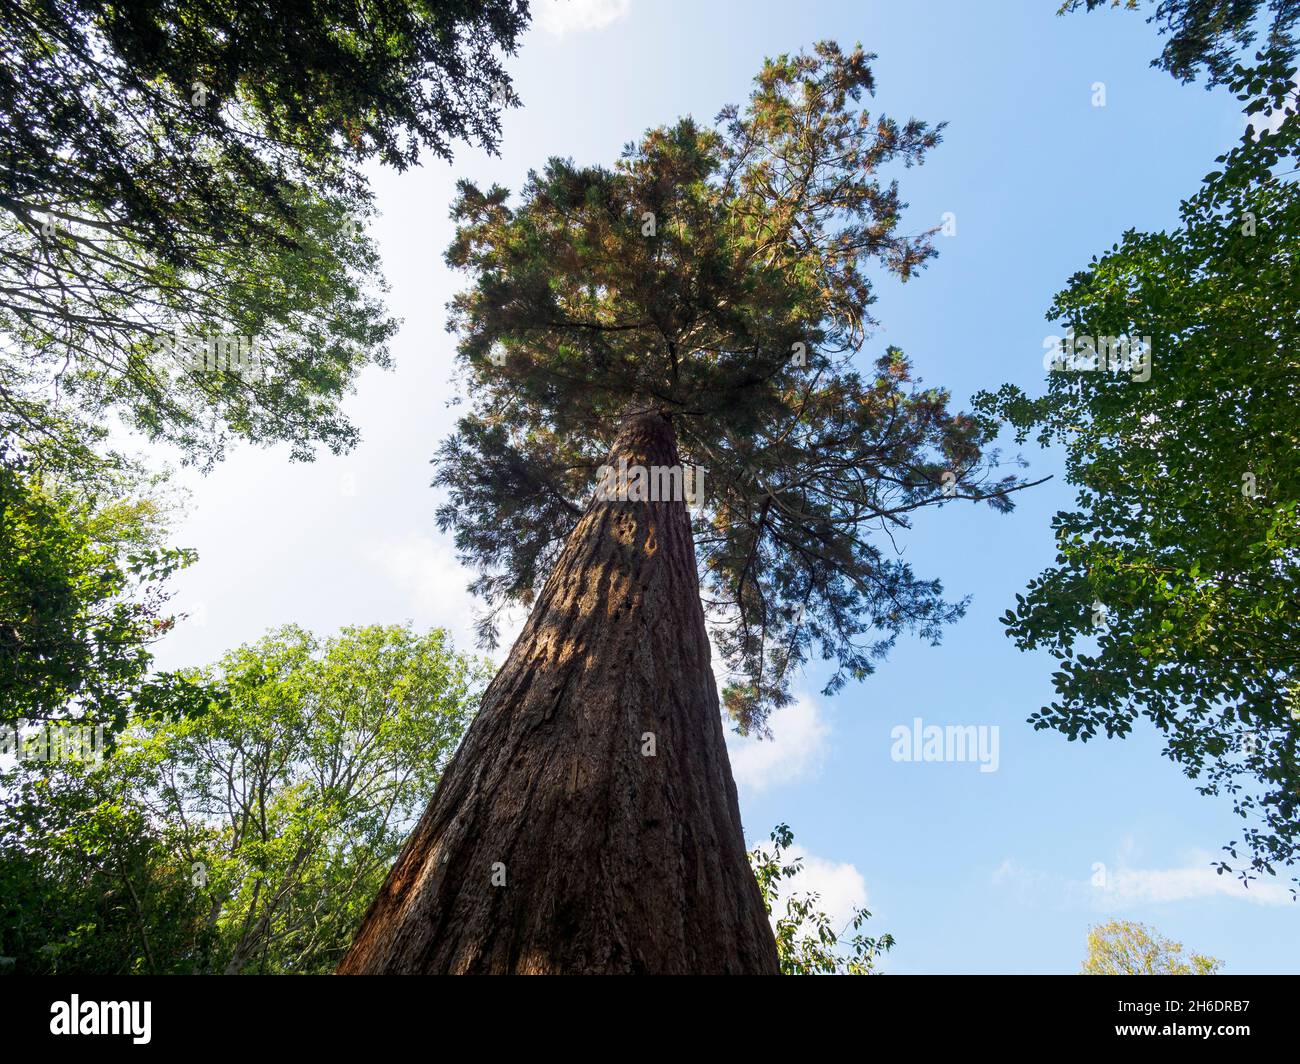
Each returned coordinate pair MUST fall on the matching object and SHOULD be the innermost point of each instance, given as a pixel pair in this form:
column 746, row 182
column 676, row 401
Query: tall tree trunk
column 556, row 842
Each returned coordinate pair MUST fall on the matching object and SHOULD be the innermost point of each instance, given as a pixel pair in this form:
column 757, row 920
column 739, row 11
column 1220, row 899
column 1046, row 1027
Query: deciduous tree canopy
column 247, row 837
column 83, row 566
column 196, row 169
column 1123, row 947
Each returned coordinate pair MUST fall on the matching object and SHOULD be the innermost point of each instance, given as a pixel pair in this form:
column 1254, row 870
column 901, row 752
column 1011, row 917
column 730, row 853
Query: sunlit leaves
column 1122, row 947
column 82, row 571
column 197, row 171
column 249, row 837
column 807, row 942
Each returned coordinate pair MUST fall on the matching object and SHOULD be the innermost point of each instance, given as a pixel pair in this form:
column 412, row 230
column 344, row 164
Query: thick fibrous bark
column 555, row 843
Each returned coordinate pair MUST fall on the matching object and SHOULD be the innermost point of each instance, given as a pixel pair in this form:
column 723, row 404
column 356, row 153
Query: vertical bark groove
column 614, row 862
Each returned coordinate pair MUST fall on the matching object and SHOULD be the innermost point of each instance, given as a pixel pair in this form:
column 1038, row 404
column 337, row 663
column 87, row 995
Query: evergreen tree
column 697, row 305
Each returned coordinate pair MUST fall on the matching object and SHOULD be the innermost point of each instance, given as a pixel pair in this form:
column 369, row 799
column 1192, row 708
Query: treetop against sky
column 718, row 275
column 747, row 286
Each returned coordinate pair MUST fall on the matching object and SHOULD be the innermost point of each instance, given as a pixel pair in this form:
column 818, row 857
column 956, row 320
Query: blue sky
column 970, row 871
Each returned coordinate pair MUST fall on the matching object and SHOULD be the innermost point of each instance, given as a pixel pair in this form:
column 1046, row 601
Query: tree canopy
column 1211, row 35
column 247, row 837
column 1122, row 947
column 720, row 276
column 190, row 172
column 807, row 942
column 83, row 571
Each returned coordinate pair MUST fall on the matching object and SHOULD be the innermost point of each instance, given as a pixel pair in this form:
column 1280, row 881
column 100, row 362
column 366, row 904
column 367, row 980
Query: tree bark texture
column 555, row 843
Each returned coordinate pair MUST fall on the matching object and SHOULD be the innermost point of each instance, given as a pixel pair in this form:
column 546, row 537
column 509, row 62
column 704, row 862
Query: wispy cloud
column 561, row 17
column 1196, row 879
column 1027, row 884
column 1119, row 886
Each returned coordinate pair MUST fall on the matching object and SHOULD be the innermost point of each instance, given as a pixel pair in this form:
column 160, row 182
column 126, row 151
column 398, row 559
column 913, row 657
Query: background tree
column 1174, row 594
column 169, row 175
column 1122, row 947
column 83, row 566
column 699, row 304
column 196, row 170
column 806, row 940
column 89, row 883
column 245, row 838
column 1211, row 34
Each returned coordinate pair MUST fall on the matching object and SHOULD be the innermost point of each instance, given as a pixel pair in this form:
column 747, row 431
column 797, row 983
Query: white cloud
column 1119, row 886
column 1196, row 879
column 559, row 17
column 437, row 588
column 838, row 885
column 793, row 753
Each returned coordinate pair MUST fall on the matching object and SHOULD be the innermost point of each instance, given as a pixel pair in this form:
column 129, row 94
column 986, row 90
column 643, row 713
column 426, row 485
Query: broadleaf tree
column 245, row 838
column 807, row 940
column 183, row 196
column 84, row 566
column 174, row 175
column 1122, row 947
column 698, row 305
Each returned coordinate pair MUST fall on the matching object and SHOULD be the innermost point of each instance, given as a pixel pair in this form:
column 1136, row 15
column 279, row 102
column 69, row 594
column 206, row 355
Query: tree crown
column 719, row 276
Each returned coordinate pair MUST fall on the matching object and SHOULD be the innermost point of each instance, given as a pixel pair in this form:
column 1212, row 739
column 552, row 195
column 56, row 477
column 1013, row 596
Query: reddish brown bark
column 614, row 861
